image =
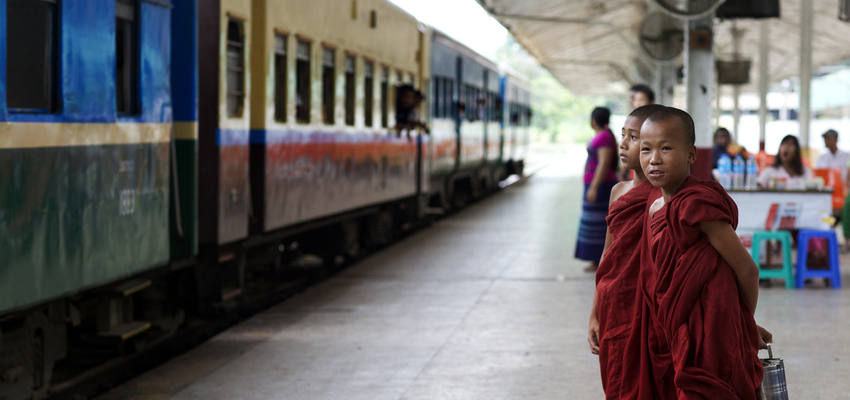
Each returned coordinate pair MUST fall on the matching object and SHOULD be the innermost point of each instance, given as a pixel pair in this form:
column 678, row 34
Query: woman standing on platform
column 600, row 175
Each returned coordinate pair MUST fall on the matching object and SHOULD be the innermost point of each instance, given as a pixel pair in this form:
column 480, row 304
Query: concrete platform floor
column 486, row 304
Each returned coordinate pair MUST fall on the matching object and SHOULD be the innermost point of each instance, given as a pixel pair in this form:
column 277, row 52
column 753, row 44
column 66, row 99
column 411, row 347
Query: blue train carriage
column 465, row 133
column 85, row 127
column 516, row 108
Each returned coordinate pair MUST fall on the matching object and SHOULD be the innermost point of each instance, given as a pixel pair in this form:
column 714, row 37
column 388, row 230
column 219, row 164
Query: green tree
column 558, row 114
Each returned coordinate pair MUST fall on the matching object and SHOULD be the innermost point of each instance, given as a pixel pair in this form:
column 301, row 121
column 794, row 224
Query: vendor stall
column 786, row 210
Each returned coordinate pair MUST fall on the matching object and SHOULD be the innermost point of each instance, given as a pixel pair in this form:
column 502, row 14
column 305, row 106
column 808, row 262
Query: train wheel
column 379, row 229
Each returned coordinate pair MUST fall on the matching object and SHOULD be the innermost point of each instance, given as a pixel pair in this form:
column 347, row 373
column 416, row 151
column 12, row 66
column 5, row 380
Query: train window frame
column 450, row 110
column 385, row 93
column 235, row 68
column 435, row 94
column 127, row 99
column 328, row 85
column 368, row 93
column 350, row 72
column 50, row 100
column 303, row 78
column 281, row 76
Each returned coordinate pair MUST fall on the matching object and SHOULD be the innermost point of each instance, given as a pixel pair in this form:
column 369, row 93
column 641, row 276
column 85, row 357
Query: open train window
column 302, row 82
column 235, row 68
column 280, row 78
column 126, row 57
column 385, row 87
column 328, row 93
column 349, row 90
column 32, row 57
column 368, row 91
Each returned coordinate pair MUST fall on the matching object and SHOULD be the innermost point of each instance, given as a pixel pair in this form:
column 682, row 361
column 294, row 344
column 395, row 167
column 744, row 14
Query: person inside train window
column 641, row 95
column 408, row 101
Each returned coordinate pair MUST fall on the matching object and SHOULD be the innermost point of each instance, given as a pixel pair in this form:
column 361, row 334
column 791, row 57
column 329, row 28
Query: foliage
column 559, row 115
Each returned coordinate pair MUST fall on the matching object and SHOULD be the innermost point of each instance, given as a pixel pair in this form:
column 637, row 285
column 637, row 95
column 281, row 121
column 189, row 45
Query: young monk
column 700, row 284
column 616, row 278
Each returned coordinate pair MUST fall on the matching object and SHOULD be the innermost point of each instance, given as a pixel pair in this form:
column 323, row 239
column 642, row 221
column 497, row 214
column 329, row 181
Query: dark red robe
column 694, row 300
column 616, row 284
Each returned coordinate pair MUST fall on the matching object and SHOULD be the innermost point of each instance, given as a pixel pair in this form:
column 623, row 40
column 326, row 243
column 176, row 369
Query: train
column 152, row 151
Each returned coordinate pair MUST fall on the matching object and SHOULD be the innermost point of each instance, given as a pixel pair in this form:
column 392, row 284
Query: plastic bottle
column 724, row 171
column 738, row 172
column 752, row 173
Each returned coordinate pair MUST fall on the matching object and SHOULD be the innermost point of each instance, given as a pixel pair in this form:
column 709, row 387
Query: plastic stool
column 834, row 271
column 787, row 271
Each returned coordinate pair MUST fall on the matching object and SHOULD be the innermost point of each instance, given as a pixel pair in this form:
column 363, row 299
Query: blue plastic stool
column 834, row 271
column 787, row 271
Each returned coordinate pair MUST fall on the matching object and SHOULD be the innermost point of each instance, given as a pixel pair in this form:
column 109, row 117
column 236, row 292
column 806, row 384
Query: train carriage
column 324, row 94
column 85, row 128
column 157, row 146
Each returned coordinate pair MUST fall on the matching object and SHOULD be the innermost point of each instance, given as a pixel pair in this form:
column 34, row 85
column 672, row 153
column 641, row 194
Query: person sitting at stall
column 722, row 139
column 787, row 166
column 833, row 158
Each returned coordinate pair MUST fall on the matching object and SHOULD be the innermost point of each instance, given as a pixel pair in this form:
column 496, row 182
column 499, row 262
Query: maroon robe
column 694, row 300
column 616, row 284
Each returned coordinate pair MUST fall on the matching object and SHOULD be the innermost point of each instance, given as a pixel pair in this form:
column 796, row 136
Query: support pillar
column 764, row 78
column 665, row 81
column 699, row 81
column 804, row 115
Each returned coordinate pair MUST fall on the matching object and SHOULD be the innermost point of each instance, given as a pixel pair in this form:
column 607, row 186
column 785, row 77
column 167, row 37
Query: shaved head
column 676, row 116
column 644, row 111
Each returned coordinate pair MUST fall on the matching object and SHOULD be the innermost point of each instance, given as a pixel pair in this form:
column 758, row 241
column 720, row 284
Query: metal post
column 665, row 80
column 804, row 116
column 699, row 80
column 736, row 89
column 764, row 78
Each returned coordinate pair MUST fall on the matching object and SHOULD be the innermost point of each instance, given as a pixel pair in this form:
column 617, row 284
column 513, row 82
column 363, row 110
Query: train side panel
column 314, row 166
column 224, row 107
column 84, row 191
column 184, row 162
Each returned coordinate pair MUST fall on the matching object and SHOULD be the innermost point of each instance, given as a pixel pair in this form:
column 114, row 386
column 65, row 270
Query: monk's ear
column 692, row 155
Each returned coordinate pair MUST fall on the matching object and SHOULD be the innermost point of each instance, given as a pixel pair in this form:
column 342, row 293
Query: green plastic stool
column 787, row 271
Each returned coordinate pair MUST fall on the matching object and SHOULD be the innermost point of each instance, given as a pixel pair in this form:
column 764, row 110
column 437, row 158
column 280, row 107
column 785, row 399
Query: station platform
column 485, row 304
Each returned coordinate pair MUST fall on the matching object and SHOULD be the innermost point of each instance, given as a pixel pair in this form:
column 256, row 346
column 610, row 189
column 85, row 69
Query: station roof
column 591, row 46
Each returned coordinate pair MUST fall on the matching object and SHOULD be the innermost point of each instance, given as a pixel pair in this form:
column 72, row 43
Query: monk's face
column 665, row 154
column 630, row 143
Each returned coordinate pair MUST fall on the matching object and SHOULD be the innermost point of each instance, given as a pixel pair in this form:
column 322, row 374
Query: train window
column 373, row 19
column 368, row 92
column 302, row 82
column 126, row 59
column 412, row 79
column 385, row 76
column 499, row 110
column 435, row 104
column 235, row 68
column 32, row 57
column 449, row 94
column 328, row 92
column 349, row 90
column 399, row 78
column 280, row 78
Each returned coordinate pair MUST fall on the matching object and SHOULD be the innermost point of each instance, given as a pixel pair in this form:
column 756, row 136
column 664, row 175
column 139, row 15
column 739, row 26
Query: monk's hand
column 593, row 335
column 591, row 195
column 765, row 337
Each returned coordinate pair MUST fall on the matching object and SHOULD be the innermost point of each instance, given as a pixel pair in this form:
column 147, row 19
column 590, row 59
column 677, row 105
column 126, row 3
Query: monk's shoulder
column 620, row 189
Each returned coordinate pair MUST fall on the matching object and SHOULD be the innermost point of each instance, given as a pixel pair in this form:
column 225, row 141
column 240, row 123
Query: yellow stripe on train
column 18, row 135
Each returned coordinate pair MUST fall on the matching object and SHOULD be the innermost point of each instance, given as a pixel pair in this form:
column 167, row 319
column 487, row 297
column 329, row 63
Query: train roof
column 451, row 42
